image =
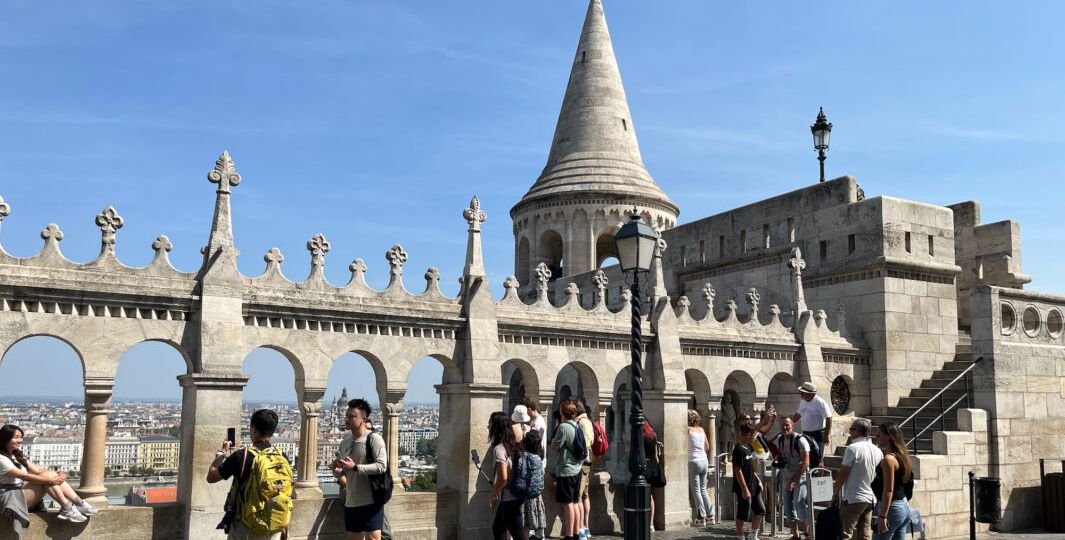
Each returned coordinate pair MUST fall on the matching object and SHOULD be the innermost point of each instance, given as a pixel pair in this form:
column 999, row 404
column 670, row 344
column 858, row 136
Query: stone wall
column 941, row 490
column 1021, row 382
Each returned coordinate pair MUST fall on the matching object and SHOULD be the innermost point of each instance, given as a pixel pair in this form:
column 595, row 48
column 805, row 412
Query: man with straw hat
column 816, row 418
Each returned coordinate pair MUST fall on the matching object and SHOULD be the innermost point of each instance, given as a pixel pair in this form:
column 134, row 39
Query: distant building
column 409, row 437
column 53, row 453
column 327, row 449
column 122, row 452
column 289, row 447
column 159, row 452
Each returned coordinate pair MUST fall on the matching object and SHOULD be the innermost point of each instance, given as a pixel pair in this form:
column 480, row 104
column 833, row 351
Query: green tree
column 424, row 482
column 427, row 449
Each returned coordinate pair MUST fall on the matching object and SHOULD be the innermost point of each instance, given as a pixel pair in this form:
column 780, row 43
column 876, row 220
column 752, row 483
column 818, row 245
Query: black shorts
column 568, row 489
column 747, row 509
column 367, row 518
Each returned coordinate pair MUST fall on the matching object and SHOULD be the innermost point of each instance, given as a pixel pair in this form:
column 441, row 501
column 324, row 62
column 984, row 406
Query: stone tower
column 594, row 173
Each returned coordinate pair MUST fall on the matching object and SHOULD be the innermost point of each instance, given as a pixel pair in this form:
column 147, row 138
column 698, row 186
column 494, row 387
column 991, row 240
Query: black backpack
column 580, row 446
column 815, row 453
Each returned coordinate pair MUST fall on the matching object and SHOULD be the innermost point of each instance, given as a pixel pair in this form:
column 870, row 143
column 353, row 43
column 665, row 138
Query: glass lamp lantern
column 636, row 244
column 822, row 131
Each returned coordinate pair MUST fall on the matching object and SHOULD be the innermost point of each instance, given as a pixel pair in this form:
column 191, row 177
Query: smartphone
column 231, row 436
column 475, row 457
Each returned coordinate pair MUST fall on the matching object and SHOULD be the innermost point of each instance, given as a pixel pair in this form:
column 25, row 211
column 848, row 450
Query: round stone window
column 841, row 395
column 1031, row 321
column 1054, row 323
column 1009, row 319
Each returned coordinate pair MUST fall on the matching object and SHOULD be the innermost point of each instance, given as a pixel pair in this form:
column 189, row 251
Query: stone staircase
column 921, row 395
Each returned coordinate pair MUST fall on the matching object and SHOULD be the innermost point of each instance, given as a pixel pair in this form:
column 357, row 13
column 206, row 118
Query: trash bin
column 986, row 490
column 1053, row 499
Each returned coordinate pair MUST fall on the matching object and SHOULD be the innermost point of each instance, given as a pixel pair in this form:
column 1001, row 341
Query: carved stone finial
column 600, row 280
column 109, row 222
column 5, row 209
column 224, row 173
column 708, row 294
column 274, row 256
column 731, row 305
column 660, row 245
column 774, row 310
column 543, row 275
column 397, row 257
column 162, row 244
column 820, row 316
column 572, row 290
column 357, row 267
column 753, row 298
column 52, row 234
column 796, row 262
column 511, row 283
column 474, row 215
column 432, row 275
column 684, row 302
column 318, row 246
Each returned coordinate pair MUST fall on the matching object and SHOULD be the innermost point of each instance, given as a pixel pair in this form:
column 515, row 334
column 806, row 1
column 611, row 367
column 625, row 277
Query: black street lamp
column 822, row 130
column 636, row 245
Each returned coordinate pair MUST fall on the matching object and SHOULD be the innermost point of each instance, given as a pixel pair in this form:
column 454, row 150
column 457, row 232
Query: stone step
column 927, row 393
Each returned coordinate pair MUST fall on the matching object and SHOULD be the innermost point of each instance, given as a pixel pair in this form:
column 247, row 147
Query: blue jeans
column 795, row 508
column 697, row 471
column 898, row 518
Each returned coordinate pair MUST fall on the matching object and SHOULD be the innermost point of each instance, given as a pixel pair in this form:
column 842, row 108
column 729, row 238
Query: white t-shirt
column 6, row 466
column 863, row 457
column 814, row 413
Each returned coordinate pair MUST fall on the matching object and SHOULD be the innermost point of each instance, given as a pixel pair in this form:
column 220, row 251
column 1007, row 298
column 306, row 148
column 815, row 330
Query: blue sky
column 374, row 123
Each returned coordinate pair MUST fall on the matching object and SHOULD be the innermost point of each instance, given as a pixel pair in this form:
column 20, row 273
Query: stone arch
column 256, row 356
column 587, row 384
column 741, row 386
column 521, row 380
column 522, row 263
column 381, row 375
column 161, row 361
column 550, row 250
column 605, row 248
column 697, row 383
column 190, row 367
column 73, row 347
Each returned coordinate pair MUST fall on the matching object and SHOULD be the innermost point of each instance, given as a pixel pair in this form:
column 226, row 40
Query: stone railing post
column 97, row 407
column 306, row 486
column 392, row 405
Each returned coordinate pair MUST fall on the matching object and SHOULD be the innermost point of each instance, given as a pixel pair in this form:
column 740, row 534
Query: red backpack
column 599, row 443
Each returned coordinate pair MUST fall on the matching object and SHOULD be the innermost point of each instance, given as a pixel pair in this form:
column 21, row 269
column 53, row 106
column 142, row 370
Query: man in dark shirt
column 747, row 485
column 229, row 464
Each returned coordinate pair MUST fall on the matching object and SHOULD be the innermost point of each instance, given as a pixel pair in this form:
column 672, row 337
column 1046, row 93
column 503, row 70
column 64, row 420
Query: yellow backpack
column 266, row 504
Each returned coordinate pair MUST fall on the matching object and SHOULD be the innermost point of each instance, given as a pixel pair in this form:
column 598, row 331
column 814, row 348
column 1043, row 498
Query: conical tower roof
column 594, row 151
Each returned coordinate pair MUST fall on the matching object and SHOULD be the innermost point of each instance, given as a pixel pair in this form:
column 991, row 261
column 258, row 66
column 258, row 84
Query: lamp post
column 822, row 130
column 635, row 245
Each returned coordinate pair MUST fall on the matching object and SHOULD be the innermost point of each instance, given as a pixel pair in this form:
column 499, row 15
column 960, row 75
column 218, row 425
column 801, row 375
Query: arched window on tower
column 606, row 252
column 550, row 252
column 521, row 266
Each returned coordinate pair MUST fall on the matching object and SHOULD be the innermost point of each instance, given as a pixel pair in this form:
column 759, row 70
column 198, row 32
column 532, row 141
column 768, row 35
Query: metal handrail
column 943, row 411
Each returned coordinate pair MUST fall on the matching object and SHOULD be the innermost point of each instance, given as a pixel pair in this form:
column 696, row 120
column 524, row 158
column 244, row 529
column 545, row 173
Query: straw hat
column 808, row 388
column 520, row 414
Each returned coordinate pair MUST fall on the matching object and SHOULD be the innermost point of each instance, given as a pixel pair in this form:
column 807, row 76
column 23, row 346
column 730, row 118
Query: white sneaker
column 71, row 514
column 86, row 509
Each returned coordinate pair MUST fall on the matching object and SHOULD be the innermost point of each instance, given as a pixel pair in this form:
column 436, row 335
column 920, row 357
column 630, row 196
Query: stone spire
column 225, row 175
column 594, row 150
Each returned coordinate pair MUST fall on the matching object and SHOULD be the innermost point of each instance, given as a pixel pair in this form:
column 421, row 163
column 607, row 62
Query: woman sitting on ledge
column 23, row 485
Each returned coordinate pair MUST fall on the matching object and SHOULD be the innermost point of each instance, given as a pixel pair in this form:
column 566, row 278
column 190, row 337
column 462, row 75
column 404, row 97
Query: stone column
column 392, row 405
column 210, row 404
column 468, row 407
column 97, row 407
column 306, row 486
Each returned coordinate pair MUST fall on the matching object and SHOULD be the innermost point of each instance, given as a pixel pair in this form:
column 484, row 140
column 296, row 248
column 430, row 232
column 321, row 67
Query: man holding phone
column 238, row 465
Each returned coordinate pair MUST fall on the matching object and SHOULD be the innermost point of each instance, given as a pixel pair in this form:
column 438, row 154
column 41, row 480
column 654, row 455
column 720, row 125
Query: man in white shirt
column 853, row 492
column 816, row 418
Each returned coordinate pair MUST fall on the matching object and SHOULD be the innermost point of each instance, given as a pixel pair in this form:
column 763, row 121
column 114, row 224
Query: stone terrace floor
column 727, row 531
